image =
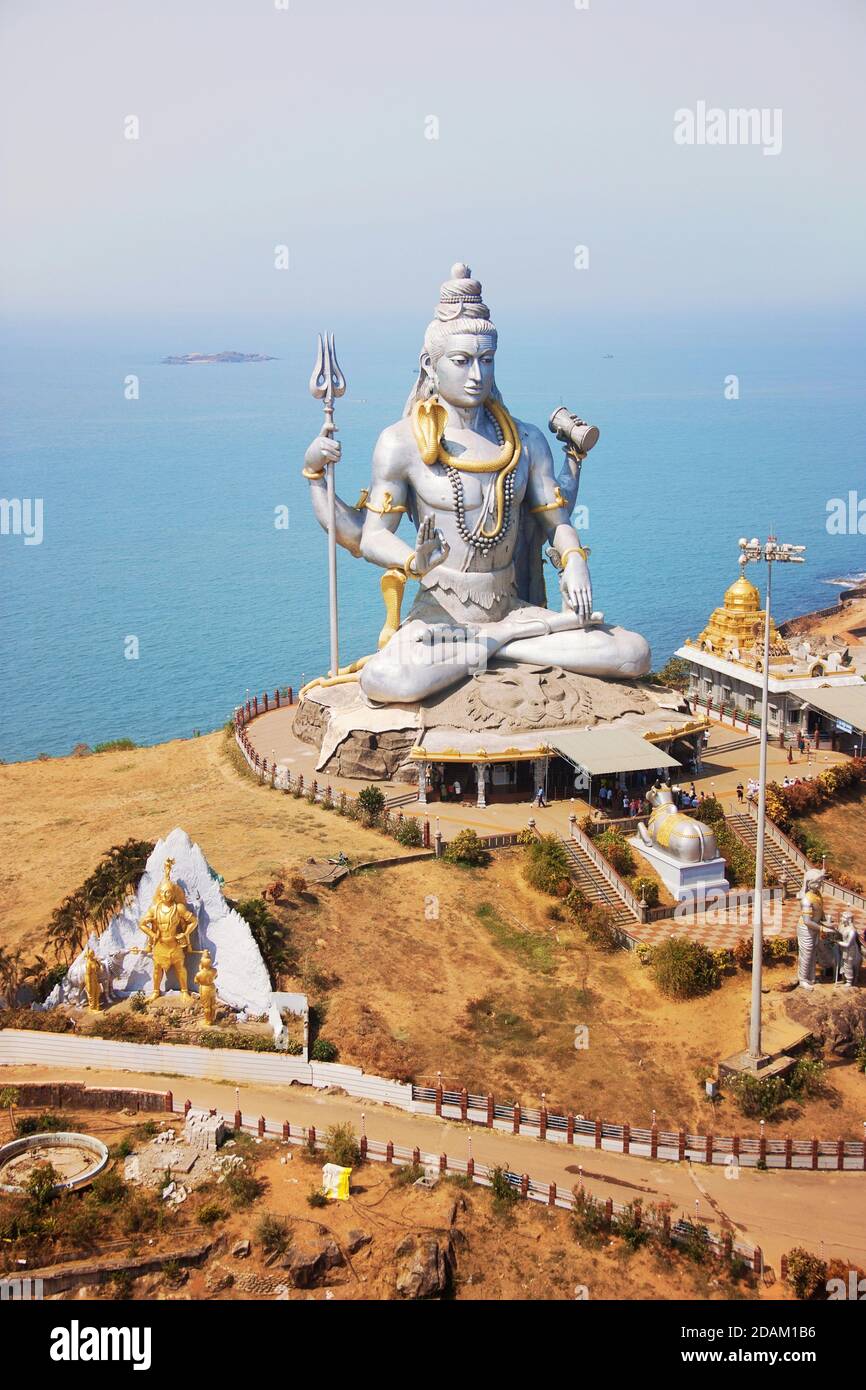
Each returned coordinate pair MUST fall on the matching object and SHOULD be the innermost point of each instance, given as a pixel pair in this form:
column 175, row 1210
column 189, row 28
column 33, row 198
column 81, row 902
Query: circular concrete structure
column 79, row 1158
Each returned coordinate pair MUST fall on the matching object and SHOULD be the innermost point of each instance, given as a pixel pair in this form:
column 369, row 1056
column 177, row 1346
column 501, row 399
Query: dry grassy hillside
column 415, row 969
column 58, row 817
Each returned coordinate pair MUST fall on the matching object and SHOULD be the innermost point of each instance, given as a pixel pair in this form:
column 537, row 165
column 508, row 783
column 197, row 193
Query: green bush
column 505, row 1194
column 629, row 1225
column 242, row 1186
column 740, row 860
column 372, row 801
column 109, row 1188
column 588, row 1219
column 272, row 1233
column 806, row 1079
column 465, row 849
column 617, row 851
column 142, row 1212
column 683, row 969
column 47, row 1123
column 323, row 1050
column 693, row 1241
column 270, row 936
column 341, row 1146
column 806, row 1274
column 243, row 1042
column 546, row 866
column 601, row 930
column 316, row 1198
column 407, row 1174
column 763, row 1097
column 409, row 833
column 115, row 745
column 642, row 884
column 40, row 1186
column 758, row 1097
column 711, row 811
column 209, row 1213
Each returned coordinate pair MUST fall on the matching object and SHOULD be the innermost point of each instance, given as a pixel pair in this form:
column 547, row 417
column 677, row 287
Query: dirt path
column 776, row 1210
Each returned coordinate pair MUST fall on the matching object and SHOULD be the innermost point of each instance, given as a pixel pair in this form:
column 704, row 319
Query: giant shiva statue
column 481, row 491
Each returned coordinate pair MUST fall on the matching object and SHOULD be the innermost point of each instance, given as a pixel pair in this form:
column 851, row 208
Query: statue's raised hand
column 323, row 450
column 576, row 586
column 431, row 547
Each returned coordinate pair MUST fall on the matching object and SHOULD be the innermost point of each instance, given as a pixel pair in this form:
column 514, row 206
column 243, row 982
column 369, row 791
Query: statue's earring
column 431, row 383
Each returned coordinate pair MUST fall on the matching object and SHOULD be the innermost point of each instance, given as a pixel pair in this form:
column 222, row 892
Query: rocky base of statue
column 835, row 1014
column 360, row 739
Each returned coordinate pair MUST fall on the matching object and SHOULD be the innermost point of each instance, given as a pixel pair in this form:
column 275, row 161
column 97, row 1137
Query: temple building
column 814, row 686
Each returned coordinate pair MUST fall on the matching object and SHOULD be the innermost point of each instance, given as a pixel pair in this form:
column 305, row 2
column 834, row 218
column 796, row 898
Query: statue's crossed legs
column 423, row 658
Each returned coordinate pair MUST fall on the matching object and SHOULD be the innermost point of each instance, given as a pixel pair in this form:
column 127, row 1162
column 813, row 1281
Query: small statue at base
column 92, row 980
column 168, row 925
column 810, row 926
column 206, row 990
column 849, row 950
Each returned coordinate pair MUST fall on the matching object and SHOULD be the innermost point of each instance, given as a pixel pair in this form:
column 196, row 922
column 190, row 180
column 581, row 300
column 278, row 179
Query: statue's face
column 465, row 369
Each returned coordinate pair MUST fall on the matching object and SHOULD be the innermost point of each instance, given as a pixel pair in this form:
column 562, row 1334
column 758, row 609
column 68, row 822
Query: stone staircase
column 595, row 886
column 747, row 741
column 776, row 861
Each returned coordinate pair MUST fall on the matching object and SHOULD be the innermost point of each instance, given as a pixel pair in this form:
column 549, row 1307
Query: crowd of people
column 620, row 802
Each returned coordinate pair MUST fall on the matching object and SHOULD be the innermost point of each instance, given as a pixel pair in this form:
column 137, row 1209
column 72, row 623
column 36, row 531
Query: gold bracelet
column 407, row 567
column 559, row 503
column 582, row 550
column 308, row 473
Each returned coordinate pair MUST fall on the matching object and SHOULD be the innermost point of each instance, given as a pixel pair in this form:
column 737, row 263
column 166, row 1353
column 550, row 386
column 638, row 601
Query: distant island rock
column 189, row 359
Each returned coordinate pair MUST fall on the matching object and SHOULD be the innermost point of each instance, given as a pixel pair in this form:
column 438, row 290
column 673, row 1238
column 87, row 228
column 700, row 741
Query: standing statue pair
column 814, row 932
column 479, row 487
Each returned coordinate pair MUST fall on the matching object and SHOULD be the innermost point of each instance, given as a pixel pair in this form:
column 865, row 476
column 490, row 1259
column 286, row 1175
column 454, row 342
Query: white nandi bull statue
column 685, row 839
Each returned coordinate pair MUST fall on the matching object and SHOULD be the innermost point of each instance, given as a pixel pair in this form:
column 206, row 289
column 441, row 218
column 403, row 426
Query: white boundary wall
column 20, row 1047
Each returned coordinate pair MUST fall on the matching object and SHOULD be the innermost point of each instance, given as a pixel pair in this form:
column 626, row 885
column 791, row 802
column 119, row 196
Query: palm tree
column 9, row 1098
column 11, row 975
column 102, row 894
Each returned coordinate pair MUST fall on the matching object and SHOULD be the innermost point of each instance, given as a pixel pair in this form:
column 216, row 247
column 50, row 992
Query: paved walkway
column 272, row 737
column 825, row 1211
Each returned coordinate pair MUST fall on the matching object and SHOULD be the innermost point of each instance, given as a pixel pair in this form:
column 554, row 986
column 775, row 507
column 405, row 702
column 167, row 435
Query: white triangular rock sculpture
column 242, row 976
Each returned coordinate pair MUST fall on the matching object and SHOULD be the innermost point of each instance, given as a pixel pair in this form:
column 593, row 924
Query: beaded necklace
column 433, row 450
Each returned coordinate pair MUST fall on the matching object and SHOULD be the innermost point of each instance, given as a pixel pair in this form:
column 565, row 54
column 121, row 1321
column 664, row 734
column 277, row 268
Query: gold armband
column 387, row 508
column 582, row 550
column 559, row 503
column 308, row 473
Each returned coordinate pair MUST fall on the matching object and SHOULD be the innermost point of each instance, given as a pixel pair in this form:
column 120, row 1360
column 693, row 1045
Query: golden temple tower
column 735, row 630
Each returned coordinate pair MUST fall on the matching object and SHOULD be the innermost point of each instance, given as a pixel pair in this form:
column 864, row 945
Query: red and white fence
column 644, row 1142
column 660, row 1221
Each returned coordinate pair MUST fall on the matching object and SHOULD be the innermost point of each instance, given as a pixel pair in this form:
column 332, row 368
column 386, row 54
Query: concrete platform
column 742, row 1064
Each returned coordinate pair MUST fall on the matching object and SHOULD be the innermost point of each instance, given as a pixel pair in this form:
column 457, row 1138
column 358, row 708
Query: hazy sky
column 306, row 126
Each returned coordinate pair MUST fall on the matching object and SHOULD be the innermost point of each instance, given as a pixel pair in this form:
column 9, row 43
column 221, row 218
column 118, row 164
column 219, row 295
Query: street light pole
column 770, row 552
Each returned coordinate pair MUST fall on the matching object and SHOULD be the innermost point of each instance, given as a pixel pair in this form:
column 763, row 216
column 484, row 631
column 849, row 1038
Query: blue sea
column 159, row 513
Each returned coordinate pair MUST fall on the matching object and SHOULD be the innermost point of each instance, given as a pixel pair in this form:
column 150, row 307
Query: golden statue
column 206, row 990
column 168, row 924
column 92, row 980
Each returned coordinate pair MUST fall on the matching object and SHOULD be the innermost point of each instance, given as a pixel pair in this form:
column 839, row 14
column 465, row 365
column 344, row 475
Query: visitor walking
column 740, row 792
column 539, row 797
